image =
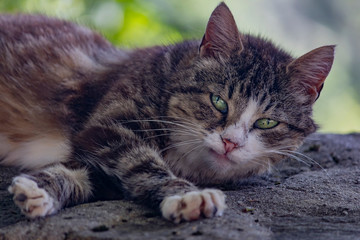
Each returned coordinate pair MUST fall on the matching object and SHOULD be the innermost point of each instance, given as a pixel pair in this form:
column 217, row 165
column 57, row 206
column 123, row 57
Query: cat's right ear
column 222, row 37
column 309, row 72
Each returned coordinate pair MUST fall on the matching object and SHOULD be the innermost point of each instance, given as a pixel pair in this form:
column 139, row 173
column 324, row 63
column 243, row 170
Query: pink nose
column 229, row 145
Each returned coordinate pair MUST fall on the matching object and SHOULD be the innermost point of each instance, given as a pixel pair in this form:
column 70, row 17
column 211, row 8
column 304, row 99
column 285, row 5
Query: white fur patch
column 251, row 109
column 249, row 146
column 35, row 153
column 32, row 200
column 237, row 133
column 246, row 156
column 5, row 146
column 189, row 207
column 214, row 141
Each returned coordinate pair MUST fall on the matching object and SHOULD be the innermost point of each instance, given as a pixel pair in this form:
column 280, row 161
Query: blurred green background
column 297, row 26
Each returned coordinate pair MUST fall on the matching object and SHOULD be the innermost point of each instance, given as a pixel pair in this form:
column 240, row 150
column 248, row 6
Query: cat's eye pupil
column 219, row 103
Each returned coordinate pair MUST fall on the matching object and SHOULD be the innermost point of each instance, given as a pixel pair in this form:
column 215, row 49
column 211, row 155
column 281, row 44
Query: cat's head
column 241, row 104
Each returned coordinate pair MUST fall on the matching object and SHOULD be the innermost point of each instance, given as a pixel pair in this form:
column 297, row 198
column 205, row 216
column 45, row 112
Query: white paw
column 192, row 205
column 32, row 200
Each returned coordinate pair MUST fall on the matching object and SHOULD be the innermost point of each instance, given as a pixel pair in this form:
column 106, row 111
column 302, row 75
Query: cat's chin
column 231, row 164
column 221, row 159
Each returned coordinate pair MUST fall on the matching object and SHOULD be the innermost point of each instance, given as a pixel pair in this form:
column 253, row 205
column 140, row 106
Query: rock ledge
column 316, row 197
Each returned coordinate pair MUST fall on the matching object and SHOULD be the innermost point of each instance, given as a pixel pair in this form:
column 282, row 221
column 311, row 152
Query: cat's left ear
column 222, row 37
column 309, row 71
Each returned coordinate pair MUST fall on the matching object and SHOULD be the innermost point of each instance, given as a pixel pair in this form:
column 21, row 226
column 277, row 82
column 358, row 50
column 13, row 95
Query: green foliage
column 299, row 26
column 127, row 23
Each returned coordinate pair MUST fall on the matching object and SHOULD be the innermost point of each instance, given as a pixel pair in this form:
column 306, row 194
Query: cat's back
column 43, row 57
column 43, row 39
column 40, row 55
column 20, row 27
column 44, row 62
column 28, row 29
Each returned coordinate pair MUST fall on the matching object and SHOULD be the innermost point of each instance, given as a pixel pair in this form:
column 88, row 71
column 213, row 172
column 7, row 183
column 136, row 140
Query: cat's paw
column 32, row 200
column 192, row 205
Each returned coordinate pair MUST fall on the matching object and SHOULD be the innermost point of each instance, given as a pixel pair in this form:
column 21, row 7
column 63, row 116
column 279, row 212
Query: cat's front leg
column 46, row 191
column 143, row 175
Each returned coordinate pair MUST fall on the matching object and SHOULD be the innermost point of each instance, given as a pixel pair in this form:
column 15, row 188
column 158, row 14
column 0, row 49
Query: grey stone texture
column 316, row 196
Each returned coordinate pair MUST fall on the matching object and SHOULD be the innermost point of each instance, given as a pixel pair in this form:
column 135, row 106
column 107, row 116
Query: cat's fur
column 81, row 117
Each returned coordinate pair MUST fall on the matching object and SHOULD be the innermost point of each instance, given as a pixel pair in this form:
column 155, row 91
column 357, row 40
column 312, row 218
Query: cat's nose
column 229, row 145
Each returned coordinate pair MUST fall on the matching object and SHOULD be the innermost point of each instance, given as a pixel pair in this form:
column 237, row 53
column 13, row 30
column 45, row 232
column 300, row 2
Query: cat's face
column 241, row 108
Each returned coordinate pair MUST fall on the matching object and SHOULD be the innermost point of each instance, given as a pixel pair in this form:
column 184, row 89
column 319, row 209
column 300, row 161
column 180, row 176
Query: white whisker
column 188, row 152
column 179, row 124
column 168, row 134
column 308, row 158
column 181, row 120
column 261, row 163
column 290, row 156
column 179, row 144
column 175, row 130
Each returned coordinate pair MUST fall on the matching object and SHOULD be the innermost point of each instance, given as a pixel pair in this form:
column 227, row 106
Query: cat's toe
column 214, row 202
column 192, row 205
column 170, row 208
column 32, row 200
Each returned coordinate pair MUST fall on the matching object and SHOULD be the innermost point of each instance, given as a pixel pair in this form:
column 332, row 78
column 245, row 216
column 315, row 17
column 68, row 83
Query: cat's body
column 79, row 115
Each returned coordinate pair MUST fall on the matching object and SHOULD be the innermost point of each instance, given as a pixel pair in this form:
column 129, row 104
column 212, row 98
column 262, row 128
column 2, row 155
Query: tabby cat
column 85, row 120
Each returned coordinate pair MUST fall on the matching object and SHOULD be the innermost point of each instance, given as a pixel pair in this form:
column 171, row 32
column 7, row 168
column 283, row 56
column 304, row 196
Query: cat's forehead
column 257, row 63
column 241, row 77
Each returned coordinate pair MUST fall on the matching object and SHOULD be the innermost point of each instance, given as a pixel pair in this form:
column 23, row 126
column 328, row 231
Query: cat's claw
column 32, row 200
column 192, row 205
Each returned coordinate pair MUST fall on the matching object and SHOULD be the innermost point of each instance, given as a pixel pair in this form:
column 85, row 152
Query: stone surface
column 316, row 196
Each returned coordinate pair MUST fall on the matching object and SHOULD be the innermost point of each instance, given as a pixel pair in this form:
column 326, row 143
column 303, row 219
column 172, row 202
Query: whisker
column 288, row 147
column 308, row 158
column 179, row 144
column 183, row 120
column 261, row 163
column 291, row 156
column 187, row 153
column 177, row 134
column 179, row 124
column 167, row 134
column 170, row 130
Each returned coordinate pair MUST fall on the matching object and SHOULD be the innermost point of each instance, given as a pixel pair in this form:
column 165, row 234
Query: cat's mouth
column 221, row 158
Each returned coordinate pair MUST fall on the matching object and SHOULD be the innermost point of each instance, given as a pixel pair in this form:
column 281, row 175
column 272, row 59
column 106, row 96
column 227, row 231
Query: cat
column 82, row 118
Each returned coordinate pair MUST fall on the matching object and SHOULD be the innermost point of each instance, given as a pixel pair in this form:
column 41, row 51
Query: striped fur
column 82, row 118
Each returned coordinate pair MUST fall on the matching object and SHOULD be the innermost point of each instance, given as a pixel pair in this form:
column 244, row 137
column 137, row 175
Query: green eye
column 265, row 123
column 219, row 103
